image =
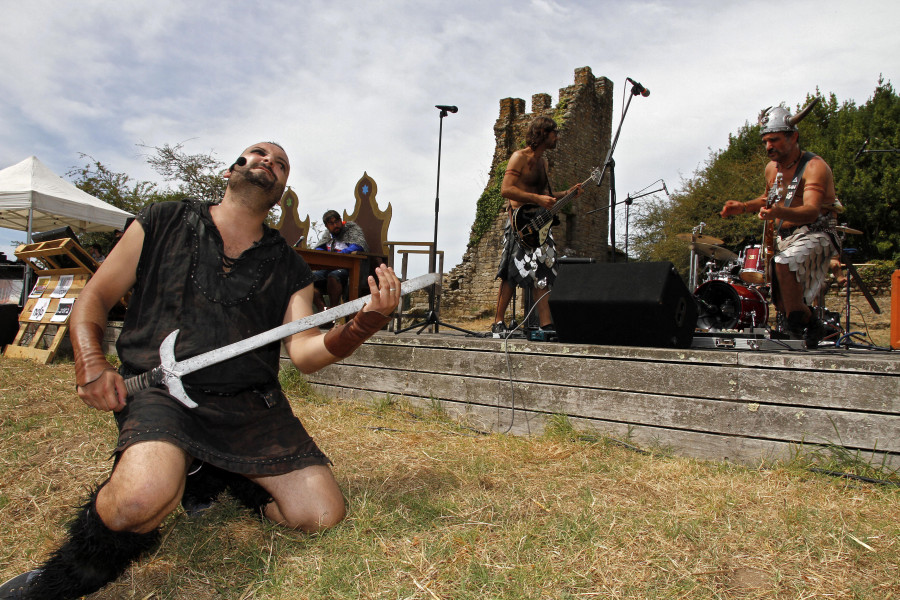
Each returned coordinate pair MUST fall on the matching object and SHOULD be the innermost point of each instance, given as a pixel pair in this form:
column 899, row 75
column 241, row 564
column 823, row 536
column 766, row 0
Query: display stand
column 62, row 268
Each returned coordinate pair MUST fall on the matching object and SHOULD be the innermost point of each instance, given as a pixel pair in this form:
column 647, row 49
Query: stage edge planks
column 742, row 406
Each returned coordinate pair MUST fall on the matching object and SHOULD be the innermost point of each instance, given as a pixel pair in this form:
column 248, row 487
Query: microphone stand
column 610, row 164
column 628, row 201
column 431, row 317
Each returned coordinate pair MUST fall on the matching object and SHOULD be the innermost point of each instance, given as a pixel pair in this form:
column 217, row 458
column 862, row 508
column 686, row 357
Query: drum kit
column 733, row 294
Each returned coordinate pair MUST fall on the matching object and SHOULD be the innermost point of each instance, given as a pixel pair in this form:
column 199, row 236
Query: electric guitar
column 531, row 223
column 767, row 251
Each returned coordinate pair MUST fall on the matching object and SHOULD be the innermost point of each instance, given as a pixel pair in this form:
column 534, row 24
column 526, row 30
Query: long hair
column 538, row 131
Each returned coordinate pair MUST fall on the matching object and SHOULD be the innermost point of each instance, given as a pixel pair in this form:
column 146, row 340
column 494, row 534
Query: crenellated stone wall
column 584, row 116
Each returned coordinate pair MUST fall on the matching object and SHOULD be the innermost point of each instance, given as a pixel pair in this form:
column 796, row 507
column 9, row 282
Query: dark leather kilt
column 253, row 432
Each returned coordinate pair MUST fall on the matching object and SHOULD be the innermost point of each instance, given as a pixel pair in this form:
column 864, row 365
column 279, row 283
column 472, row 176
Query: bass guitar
column 531, row 223
column 767, row 248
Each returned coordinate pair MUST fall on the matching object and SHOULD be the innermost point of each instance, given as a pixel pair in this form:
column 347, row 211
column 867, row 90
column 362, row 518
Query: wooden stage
column 746, row 406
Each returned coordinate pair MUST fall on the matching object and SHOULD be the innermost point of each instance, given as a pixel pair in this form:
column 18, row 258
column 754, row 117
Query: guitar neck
column 562, row 202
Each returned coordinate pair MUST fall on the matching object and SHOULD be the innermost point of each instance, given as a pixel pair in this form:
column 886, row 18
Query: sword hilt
column 151, row 378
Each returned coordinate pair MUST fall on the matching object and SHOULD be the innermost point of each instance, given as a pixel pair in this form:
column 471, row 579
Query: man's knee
column 308, row 499
column 138, row 508
column 311, row 517
column 145, row 486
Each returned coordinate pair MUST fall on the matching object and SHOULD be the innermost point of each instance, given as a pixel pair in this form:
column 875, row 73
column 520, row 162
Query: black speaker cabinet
column 623, row 304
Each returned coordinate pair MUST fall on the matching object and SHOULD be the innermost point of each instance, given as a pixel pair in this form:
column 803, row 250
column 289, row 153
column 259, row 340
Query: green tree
column 197, row 175
column 735, row 173
column 117, row 189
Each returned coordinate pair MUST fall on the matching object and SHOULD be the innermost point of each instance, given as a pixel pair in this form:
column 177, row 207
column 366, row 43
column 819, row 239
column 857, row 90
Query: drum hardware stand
column 434, row 301
column 695, row 265
column 844, row 340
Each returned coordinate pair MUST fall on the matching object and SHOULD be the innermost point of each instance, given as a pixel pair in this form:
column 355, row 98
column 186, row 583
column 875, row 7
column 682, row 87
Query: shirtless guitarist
column 526, row 182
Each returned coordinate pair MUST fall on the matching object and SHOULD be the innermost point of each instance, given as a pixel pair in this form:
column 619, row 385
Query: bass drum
column 730, row 306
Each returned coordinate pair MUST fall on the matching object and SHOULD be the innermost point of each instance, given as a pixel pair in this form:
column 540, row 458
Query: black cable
column 512, row 390
column 852, row 476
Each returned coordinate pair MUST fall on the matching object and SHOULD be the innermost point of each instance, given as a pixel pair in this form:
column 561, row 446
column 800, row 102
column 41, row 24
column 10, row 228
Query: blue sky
column 349, row 87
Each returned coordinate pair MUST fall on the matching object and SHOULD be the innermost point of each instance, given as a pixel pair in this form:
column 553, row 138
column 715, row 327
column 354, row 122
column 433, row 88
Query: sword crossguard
column 172, row 378
column 164, row 374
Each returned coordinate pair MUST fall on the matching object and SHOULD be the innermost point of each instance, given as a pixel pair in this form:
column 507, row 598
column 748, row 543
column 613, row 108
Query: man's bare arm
column 97, row 382
column 309, row 350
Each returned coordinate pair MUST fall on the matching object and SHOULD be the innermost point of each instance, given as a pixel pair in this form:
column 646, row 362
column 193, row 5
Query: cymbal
column 846, row 229
column 699, row 238
column 713, row 251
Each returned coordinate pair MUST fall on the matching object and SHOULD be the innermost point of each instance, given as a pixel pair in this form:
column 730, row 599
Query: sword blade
column 218, row 355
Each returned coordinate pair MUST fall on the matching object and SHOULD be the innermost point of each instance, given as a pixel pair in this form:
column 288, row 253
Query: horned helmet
column 779, row 118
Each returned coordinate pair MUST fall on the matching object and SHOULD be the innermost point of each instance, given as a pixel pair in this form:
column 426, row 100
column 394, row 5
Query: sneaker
column 17, row 587
column 498, row 329
column 546, row 333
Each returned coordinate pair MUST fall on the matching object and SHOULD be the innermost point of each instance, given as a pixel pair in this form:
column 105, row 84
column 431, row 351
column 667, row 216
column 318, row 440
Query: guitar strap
column 547, row 175
column 793, row 185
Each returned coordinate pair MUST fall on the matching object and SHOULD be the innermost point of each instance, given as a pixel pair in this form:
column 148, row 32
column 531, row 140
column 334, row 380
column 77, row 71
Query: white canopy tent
column 34, row 198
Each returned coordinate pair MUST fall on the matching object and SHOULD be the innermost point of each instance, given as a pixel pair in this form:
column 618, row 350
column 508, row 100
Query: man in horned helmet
column 801, row 200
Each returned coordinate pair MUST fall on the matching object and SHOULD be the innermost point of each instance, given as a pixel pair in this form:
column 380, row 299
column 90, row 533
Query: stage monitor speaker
column 54, row 234
column 623, row 304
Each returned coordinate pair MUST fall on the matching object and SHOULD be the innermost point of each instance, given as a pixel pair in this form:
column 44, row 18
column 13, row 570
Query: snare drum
column 730, row 306
column 752, row 267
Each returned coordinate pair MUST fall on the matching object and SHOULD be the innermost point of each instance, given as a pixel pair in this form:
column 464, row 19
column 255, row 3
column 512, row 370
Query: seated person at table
column 344, row 238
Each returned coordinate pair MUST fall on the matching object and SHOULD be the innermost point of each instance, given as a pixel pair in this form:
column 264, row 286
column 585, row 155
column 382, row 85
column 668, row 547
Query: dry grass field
column 437, row 511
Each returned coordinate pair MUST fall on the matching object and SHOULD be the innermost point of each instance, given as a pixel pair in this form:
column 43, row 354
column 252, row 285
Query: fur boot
column 205, row 485
column 92, row 556
column 249, row 493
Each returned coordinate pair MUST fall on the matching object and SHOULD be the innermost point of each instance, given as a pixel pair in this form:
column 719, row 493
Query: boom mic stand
column 431, row 317
column 636, row 90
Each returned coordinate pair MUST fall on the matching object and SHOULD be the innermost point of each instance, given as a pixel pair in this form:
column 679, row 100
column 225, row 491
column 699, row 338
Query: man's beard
column 259, row 180
column 270, row 186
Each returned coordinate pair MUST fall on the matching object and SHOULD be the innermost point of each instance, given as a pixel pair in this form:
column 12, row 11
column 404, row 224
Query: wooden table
column 322, row 259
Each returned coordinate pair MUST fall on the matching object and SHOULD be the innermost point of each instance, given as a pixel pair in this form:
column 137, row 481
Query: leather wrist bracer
column 87, row 345
column 343, row 340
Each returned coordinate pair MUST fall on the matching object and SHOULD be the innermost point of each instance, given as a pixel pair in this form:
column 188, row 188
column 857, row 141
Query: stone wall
column 584, row 116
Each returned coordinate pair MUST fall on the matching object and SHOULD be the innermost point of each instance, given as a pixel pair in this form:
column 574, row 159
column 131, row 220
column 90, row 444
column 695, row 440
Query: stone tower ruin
column 584, row 118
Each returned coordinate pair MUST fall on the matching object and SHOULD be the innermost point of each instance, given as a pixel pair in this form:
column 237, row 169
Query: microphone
column 712, row 310
column 638, row 88
column 861, row 148
column 240, row 162
column 452, row 109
